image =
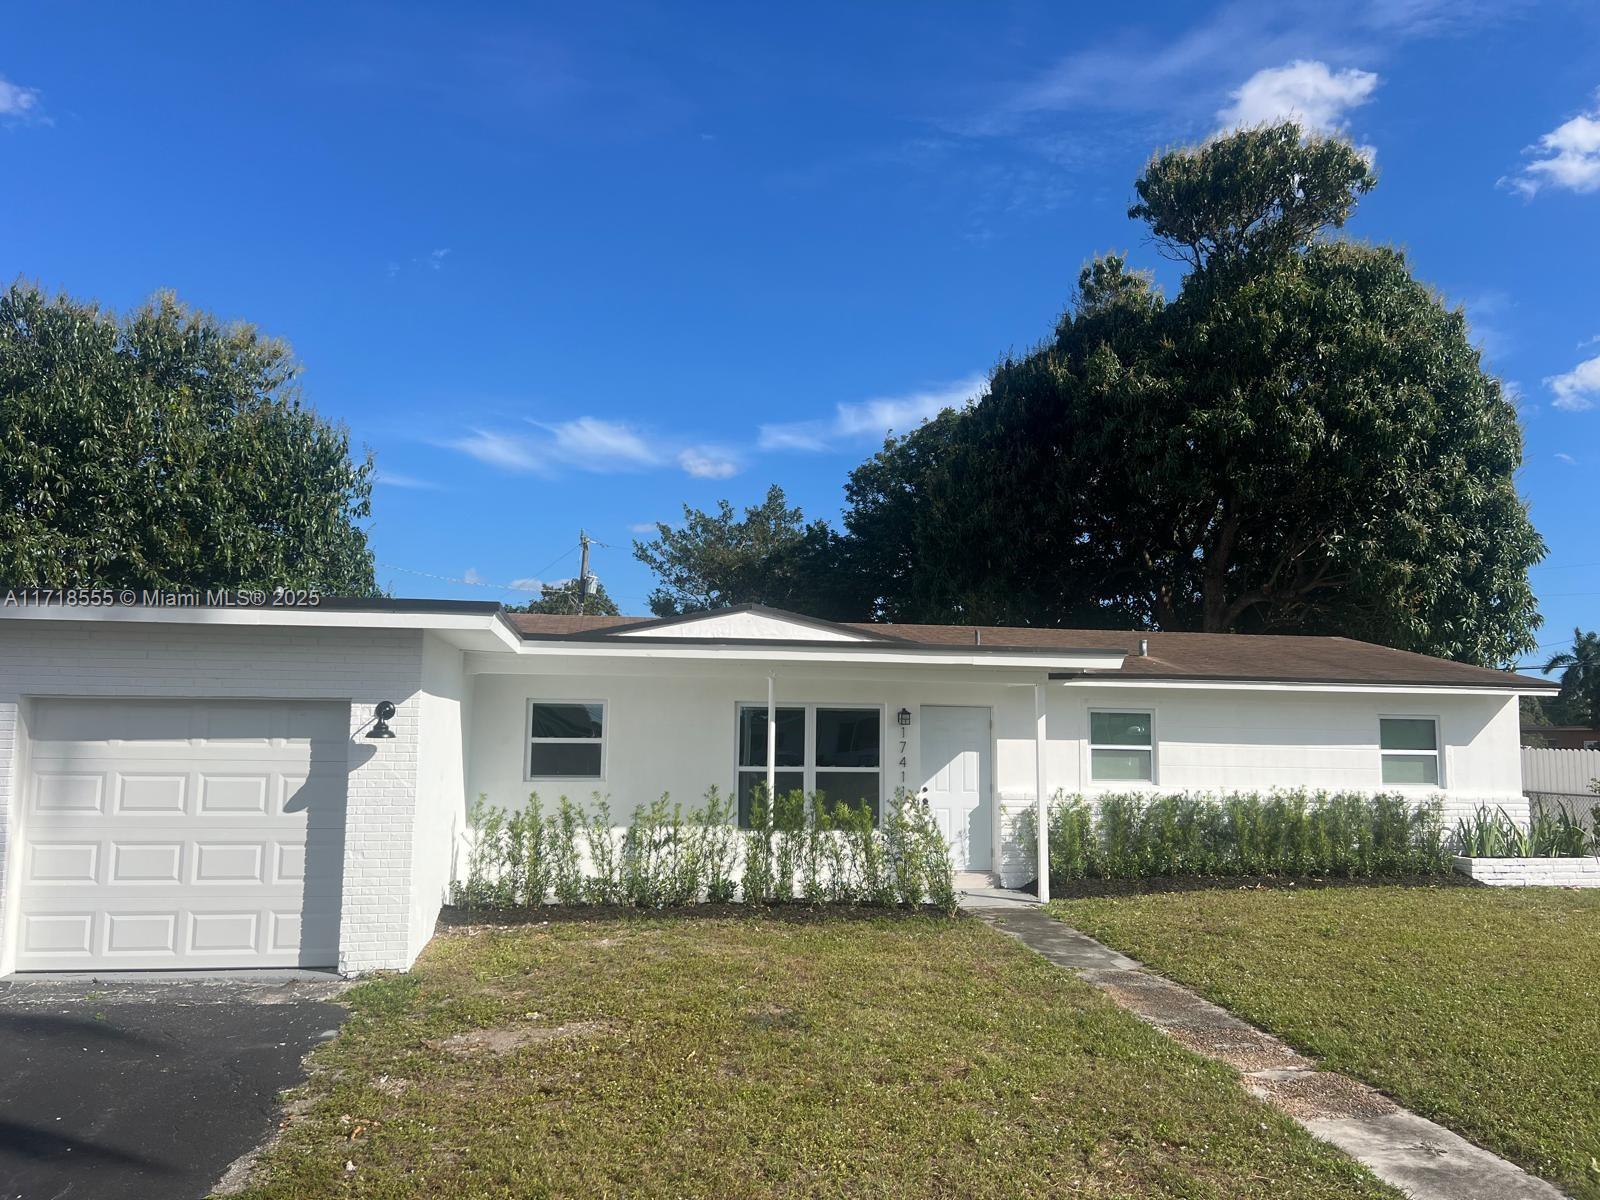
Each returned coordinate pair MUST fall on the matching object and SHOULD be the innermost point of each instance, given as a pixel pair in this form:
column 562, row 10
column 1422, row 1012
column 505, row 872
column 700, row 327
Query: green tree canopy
column 165, row 450
column 1579, row 701
column 768, row 556
column 562, row 597
column 1303, row 440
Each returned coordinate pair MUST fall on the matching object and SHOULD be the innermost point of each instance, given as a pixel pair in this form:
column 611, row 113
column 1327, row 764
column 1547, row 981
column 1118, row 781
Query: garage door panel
column 62, row 863
column 56, row 792
column 145, row 863
column 144, row 850
column 154, row 793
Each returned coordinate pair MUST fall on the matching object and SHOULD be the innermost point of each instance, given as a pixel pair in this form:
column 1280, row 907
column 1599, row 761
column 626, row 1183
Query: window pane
column 1119, row 764
column 1407, row 733
column 753, row 737
column 848, row 789
column 1411, row 768
column 566, row 720
column 847, row 737
column 749, row 781
column 1119, row 728
column 565, row 760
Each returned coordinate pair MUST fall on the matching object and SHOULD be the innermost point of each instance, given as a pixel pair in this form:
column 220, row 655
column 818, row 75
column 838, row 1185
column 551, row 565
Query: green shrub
column 799, row 848
column 1136, row 835
column 1494, row 834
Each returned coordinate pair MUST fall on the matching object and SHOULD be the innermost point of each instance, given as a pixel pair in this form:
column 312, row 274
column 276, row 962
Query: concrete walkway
column 1404, row 1150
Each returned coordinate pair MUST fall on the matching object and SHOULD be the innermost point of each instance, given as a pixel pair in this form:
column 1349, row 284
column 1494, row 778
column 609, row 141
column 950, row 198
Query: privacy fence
column 1562, row 781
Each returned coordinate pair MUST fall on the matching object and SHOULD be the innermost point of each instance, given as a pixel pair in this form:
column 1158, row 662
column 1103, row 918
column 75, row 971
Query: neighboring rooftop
column 1172, row 656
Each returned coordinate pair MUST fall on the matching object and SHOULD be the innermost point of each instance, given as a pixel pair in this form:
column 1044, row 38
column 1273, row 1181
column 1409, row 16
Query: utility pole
column 583, row 570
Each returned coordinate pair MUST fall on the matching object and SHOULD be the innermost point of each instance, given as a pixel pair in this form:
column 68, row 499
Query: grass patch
column 1478, row 1007
column 745, row 1057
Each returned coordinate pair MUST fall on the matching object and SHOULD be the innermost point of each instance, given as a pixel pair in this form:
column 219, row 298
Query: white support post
column 772, row 741
column 1042, row 796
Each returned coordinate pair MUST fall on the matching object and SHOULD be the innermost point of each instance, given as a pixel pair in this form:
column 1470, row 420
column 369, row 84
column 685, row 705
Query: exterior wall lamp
column 904, row 717
column 380, row 724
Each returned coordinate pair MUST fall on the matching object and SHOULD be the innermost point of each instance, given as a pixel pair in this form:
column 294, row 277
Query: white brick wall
column 1532, row 872
column 360, row 666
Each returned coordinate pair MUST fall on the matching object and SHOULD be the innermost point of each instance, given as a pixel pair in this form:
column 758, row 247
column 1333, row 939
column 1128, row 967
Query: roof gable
column 749, row 623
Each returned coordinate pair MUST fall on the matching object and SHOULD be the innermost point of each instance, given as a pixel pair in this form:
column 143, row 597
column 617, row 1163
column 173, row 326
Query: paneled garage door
column 189, row 835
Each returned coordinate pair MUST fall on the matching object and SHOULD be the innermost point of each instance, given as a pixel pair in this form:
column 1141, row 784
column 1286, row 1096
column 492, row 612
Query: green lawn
column 748, row 1057
column 1478, row 1007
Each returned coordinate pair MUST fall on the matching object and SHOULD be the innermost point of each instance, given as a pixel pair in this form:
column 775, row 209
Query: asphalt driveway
column 146, row 1089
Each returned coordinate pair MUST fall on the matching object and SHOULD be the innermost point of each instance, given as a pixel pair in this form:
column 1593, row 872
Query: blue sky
column 578, row 266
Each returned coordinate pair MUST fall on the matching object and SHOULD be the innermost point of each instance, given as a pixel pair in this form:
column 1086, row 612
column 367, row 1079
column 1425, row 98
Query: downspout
column 772, row 741
column 1042, row 797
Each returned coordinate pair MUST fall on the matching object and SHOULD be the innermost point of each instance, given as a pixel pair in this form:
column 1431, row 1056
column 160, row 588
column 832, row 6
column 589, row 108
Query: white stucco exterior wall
column 359, row 666
column 670, row 728
column 441, row 816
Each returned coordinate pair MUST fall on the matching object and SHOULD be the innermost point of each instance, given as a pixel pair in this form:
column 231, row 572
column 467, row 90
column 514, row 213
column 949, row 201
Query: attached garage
column 182, row 834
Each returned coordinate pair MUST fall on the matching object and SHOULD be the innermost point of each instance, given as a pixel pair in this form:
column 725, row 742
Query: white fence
column 1560, row 779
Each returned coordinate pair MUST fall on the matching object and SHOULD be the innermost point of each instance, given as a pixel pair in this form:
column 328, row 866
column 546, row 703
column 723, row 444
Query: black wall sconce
column 904, row 717
column 380, row 725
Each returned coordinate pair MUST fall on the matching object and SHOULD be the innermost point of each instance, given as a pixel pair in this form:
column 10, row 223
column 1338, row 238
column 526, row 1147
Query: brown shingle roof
column 1199, row 656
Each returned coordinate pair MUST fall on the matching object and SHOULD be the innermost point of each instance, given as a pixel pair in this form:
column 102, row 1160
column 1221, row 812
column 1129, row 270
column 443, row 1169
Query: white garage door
column 160, row 834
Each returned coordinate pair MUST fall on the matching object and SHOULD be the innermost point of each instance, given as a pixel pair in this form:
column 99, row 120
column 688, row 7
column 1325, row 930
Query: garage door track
column 150, row 1087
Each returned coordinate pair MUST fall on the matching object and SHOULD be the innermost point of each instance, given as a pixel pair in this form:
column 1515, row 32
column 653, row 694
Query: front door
column 955, row 763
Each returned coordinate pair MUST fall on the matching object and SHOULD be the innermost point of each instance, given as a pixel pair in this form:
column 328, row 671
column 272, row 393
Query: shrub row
column 797, row 849
column 1296, row 833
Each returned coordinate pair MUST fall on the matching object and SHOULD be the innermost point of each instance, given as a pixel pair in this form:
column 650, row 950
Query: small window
column 1120, row 747
column 566, row 740
column 1409, row 747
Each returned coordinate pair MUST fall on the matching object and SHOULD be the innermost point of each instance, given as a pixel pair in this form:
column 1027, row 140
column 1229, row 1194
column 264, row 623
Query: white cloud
column 436, row 257
column 395, row 479
column 526, row 585
column 16, row 100
column 1305, row 91
column 1566, row 157
column 1578, row 389
column 597, row 445
column 1566, row 458
column 642, row 527
column 507, row 450
column 874, row 418
column 471, row 576
column 708, row 462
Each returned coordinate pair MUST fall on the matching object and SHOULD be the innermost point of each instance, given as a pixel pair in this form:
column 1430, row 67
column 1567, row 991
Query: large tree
column 770, row 555
column 165, row 450
column 1302, row 440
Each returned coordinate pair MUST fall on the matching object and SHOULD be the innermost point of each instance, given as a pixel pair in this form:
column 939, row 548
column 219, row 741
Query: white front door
column 955, row 763
column 190, row 834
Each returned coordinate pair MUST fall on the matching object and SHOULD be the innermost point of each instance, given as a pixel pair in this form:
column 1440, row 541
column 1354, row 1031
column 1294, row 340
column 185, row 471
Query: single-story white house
column 185, row 786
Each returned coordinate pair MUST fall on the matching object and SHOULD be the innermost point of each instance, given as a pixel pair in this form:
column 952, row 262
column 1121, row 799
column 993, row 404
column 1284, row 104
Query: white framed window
column 566, row 739
column 1122, row 746
column 1409, row 750
column 834, row 750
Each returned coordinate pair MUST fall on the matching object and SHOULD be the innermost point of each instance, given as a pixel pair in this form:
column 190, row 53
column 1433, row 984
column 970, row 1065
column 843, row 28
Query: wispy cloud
column 1566, row 458
column 470, row 575
column 708, row 462
column 1577, row 390
column 1566, row 157
column 591, row 444
column 18, row 102
column 642, row 527
column 871, row 419
column 526, row 584
column 396, row 480
column 1305, row 90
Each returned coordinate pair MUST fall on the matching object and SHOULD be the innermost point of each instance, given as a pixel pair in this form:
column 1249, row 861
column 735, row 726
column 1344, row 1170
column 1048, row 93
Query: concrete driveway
column 150, row 1087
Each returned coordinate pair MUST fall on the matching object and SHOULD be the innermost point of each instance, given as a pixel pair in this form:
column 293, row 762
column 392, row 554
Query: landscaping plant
column 799, row 848
column 1134, row 835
